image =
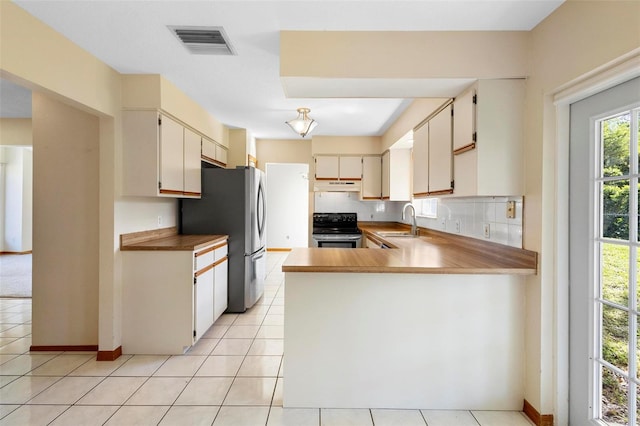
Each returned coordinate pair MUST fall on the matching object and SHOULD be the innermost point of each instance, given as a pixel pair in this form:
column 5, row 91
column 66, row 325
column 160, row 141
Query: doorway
column 287, row 205
column 604, row 238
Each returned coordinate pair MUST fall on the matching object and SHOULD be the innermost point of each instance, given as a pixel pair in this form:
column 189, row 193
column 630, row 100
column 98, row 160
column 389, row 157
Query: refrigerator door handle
column 261, row 210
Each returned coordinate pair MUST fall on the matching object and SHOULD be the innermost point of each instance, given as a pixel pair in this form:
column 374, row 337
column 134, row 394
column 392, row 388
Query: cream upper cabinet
column 213, row 153
column 396, row 175
column 350, row 167
column 371, row 177
column 421, row 161
column 432, row 150
column 208, row 150
column 221, row 155
column 171, row 157
column 440, row 153
column 192, row 155
column 464, row 123
column 491, row 163
column 327, row 167
column 161, row 156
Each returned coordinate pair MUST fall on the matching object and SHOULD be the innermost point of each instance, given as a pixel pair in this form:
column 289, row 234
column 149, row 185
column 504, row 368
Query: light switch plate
column 511, row 209
column 487, row 230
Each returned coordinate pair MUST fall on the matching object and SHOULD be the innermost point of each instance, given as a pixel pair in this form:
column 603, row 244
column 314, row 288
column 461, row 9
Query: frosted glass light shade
column 302, row 124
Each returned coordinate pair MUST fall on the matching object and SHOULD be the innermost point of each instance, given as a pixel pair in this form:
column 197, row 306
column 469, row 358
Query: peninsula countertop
column 432, row 252
column 167, row 239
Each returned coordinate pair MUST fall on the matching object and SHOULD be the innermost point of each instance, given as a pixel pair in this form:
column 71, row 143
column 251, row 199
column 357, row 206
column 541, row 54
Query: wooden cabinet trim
column 441, row 192
column 171, row 192
column 219, row 261
column 465, row 148
column 205, row 251
column 204, row 270
column 219, row 246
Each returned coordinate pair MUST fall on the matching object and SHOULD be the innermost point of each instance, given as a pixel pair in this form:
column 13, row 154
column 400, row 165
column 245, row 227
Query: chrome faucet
column 414, row 226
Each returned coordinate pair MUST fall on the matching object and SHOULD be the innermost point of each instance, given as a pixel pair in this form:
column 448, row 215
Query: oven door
column 337, row 240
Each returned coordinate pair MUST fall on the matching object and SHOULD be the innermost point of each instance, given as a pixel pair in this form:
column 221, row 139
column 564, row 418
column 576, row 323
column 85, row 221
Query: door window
column 616, row 357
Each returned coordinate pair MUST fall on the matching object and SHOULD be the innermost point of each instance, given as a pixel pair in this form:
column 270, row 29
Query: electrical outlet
column 443, row 223
column 487, row 230
column 457, row 226
column 159, row 220
column 511, row 209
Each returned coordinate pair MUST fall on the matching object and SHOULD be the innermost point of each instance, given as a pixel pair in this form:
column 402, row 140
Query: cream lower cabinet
column 171, row 298
column 221, row 280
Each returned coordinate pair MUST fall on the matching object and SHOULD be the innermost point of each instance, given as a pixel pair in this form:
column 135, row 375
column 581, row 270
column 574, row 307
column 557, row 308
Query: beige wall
column 577, row 38
column 345, row 145
column 15, row 131
column 65, row 224
column 155, row 91
column 407, row 54
column 37, row 57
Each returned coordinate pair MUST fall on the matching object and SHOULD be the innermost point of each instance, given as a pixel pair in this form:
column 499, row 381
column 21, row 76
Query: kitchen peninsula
column 437, row 321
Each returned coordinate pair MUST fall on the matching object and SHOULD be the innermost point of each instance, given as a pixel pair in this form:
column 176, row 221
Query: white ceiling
column 245, row 90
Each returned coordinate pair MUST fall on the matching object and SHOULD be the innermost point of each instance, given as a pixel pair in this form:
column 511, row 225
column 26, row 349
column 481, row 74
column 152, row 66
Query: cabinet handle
column 464, row 149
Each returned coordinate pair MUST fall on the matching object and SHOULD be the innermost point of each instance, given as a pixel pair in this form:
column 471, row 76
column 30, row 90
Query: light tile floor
column 232, row 376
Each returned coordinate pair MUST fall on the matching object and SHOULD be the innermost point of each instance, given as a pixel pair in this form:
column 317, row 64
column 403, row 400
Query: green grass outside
column 615, row 328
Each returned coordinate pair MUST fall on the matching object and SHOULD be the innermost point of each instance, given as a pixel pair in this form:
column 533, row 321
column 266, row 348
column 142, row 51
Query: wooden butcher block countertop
column 166, row 239
column 432, row 252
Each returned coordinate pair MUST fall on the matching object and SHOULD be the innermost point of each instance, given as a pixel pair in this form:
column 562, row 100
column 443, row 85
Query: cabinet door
column 400, row 175
column 203, row 301
column 208, row 150
column 351, row 168
column 327, row 167
column 221, row 156
column 171, row 157
column 220, row 295
column 440, row 153
column 192, row 157
column 466, row 173
column 372, row 244
column 386, row 175
column 421, row 161
column 464, row 120
column 371, row 178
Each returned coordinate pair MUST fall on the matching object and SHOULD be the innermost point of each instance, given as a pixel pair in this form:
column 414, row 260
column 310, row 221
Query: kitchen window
column 427, row 207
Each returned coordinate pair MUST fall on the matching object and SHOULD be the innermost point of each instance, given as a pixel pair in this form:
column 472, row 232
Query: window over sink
column 427, row 207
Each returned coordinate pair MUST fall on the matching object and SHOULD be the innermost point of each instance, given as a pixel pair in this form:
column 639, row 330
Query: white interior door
column 287, row 205
column 603, row 267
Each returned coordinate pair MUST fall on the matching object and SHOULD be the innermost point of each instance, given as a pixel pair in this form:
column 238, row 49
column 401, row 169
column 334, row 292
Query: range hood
column 337, row 186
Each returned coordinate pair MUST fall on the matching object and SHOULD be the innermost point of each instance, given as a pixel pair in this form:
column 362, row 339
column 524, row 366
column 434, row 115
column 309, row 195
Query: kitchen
column 96, row 91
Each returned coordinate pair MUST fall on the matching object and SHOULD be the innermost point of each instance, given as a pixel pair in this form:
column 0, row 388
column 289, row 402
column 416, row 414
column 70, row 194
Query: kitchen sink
column 395, row 234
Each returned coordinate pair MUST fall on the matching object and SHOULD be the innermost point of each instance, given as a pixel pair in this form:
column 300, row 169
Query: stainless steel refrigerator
column 233, row 203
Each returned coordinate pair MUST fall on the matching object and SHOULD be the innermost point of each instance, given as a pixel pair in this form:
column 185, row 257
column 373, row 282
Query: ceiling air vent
column 204, row 40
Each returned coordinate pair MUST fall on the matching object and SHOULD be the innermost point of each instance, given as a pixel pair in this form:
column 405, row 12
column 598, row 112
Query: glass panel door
column 616, row 354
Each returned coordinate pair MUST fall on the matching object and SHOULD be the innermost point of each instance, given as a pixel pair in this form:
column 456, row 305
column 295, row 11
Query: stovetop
column 335, row 223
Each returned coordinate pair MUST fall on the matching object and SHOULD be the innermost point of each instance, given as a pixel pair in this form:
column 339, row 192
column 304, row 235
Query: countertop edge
column 173, row 243
column 409, row 270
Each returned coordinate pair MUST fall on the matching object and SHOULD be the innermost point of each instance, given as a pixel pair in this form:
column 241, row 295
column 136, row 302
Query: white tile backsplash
column 471, row 213
column 349, row 202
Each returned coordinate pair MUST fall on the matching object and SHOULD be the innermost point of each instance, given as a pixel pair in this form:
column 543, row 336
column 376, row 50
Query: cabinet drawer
column 221, row 250
column 204, row 257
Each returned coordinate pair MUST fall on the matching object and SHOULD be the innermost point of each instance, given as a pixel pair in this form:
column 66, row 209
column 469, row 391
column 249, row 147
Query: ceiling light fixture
column 302, row 124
